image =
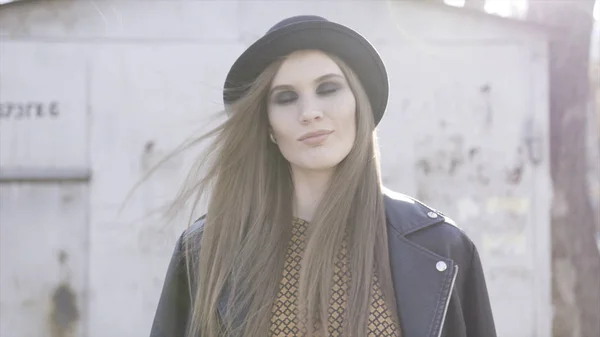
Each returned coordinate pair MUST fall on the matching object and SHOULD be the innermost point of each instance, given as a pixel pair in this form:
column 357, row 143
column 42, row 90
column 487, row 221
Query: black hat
column 311, row 32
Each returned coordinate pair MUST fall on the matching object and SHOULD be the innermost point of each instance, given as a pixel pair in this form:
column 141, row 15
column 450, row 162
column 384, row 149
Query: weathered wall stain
column 456, row 154
column 473, row 152
column 446, row 160
column 532, row 141
column 474, row 155
column 64, row 313
column 456, row 158
column 67, row 198
column 489, row 114
column 26, row 18
column 62, row 256
column 149, row 147
column 514, row 175
column 481, row 176
column 454, row 163
column 147, row 160
column 424, row 166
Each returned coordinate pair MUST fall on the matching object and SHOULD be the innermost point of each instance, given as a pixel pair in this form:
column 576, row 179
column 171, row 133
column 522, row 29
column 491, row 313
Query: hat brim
column 326, row 36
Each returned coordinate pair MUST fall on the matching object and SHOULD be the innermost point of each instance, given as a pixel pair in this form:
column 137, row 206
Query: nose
column 310, row 111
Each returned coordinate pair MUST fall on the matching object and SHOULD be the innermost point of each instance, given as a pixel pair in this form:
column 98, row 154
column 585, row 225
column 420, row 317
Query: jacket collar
column 406, row 215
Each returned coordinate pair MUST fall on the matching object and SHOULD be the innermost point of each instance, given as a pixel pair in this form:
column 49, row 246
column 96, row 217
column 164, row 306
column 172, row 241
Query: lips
column 315, row 138
column 315, row 134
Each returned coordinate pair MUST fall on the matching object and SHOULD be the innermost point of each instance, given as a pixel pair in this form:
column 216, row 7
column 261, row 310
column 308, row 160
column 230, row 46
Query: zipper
column 448, row 301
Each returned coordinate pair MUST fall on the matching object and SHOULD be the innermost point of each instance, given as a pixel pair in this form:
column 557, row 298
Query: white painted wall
column 465, row 131
column 43, row 259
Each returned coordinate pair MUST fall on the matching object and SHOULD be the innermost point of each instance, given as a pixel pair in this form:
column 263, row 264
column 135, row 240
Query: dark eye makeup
column 288, row 96
column 285, row 97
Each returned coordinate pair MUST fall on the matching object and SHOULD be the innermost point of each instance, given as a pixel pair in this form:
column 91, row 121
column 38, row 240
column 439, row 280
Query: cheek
column 346, row 118
column 281, row 121
column 274, row 115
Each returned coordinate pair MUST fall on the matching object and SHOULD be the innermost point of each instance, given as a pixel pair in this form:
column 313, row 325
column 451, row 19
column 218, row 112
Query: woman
column 299, row 232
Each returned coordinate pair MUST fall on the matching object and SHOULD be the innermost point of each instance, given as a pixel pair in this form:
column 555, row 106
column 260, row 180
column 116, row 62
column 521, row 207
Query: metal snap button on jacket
column 441, row 265
column 432, row 215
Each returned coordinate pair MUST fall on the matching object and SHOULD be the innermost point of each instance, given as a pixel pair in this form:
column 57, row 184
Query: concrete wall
column 110, row 87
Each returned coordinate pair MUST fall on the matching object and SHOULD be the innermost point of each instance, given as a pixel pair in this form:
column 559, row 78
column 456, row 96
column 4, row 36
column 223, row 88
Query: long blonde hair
column 249, row 215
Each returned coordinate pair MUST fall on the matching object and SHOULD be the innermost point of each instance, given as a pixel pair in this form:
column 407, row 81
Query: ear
column 270, row 134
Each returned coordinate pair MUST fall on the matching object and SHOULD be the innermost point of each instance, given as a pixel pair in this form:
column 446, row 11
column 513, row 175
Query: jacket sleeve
column 171, row 317
column 477, row 310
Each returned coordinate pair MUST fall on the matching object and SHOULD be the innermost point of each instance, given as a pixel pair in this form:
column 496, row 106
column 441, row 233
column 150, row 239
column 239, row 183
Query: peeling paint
column 505, row 245
column 517, row 205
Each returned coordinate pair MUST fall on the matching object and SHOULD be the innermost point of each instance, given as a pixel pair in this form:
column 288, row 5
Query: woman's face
column 311, row 111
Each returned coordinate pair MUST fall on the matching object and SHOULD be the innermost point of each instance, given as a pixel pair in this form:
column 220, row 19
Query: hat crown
column 296, row 19
column 311, row 32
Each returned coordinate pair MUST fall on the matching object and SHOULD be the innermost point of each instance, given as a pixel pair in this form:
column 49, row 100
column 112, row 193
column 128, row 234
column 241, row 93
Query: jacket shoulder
column 190, row 242
column 174, row 305
column 408, row 214
column 195, row 231
column 428, row 226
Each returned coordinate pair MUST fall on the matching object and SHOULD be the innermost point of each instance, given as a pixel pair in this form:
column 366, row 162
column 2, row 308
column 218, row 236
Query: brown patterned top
column 284, row 320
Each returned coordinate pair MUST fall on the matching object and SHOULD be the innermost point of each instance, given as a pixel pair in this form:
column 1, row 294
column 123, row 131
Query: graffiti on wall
column 29, row 110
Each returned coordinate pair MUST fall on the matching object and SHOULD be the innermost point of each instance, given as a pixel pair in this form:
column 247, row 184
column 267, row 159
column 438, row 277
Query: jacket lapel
column 422, row 279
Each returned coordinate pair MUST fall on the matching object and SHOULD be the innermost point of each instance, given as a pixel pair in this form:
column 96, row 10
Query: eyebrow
column 319, row 79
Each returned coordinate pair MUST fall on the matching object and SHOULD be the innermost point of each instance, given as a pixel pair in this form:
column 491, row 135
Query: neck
column 309, row 187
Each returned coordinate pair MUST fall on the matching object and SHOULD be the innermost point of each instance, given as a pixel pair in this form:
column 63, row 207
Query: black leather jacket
column 438, row 279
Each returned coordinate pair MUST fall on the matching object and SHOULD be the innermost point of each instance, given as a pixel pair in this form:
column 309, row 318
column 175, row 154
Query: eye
column 328, row 88
column 285, row 97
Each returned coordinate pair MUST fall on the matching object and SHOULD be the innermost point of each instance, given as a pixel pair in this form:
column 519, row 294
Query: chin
column 321, row 164
column 318, row 159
